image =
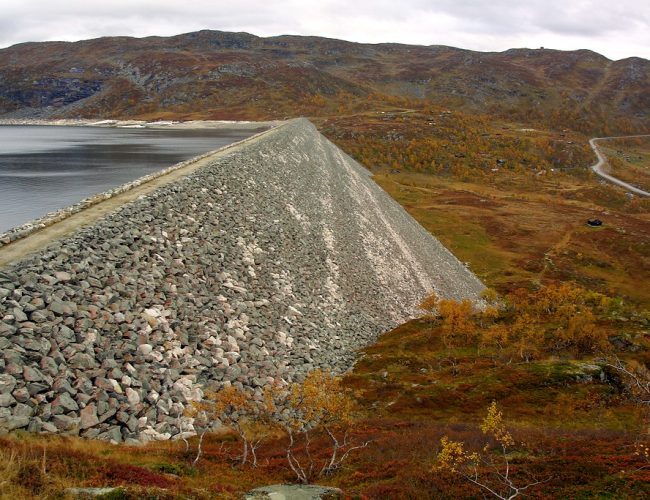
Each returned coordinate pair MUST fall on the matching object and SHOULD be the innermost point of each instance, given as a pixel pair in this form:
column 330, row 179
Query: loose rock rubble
column 280, row 257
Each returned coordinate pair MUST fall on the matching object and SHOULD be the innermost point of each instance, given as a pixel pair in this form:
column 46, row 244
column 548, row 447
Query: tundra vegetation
column 565, row 367
column 557, row 357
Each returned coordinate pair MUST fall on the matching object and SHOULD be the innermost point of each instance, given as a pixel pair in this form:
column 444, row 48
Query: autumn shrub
column 528, row 325
column 238, row 410
column 458, row 328
column 490, row 469
column 568, row 314
column 320, row 404
column 429, row 306
column 457, row 325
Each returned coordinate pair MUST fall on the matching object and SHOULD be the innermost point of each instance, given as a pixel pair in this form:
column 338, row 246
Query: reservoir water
column 45, row 168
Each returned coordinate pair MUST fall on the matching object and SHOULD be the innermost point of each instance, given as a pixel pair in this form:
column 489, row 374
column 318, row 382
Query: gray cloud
column 616, row 29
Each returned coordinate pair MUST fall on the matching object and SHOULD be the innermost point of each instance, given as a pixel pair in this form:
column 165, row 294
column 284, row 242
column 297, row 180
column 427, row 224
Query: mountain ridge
column 224, row 75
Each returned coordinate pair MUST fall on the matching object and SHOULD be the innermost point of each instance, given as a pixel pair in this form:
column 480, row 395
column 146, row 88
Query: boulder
column 10, row 423
column 7, row 383
column 88, row 416
column 294, row 492
column 64, row 403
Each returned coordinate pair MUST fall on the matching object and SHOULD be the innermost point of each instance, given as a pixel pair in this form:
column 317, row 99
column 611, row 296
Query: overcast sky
column 615, row 28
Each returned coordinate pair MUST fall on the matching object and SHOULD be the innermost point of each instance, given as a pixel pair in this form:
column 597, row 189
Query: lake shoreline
column 110, row 123
column 35, row 225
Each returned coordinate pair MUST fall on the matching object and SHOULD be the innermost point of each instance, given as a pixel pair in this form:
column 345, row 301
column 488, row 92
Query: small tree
column 527, row 338
column 457, row 325
column 429, row 305
column 237, row 410
column 453, row 457
column 496, row 336
column 319, row 402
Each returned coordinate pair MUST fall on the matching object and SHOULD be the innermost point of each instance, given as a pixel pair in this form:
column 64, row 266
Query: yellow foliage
column 457, row 324
column 452, row 456
column 235, row 409
column 320, row 400
column 527, row 337
column 552, row 319
column 496, row 335
column 493, row 426
column 489, row 295
column 429, row 304
column 497, row 479
column 230, row 400
column 581, row 333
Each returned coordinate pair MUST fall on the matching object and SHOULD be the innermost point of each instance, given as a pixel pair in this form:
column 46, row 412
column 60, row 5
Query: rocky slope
column 280, row 257
column 212, row 74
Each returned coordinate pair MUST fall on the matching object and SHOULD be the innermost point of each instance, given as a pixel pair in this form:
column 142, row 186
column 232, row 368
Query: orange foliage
column 457, row 325
column 553, row 319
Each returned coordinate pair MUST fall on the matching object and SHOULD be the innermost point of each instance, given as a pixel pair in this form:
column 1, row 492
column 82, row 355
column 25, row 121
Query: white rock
column 184, row 435
column 153, row 312
column 295, row 311
column 132, row 396
column 145, row 349
column 150, row 434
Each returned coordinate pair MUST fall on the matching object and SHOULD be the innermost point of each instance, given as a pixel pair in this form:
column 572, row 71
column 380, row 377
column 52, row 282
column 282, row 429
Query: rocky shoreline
column 167, row 124
column 278, row 257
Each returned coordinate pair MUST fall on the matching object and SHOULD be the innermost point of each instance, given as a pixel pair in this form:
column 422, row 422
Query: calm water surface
column 46, row 168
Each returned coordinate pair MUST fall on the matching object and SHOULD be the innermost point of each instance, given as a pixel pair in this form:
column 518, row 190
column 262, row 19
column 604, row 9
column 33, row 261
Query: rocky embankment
column 279, row 257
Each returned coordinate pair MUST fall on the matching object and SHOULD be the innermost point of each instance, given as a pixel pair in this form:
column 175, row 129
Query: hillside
column 211, row 74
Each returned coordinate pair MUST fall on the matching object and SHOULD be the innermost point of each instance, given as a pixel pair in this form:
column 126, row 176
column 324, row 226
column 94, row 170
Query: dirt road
column 602, row 160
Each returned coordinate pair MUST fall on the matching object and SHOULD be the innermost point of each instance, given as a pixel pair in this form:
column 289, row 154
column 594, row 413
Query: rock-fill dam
column 278, row 257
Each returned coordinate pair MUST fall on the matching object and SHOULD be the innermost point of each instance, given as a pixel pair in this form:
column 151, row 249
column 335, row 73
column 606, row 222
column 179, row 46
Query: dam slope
column 278, row 257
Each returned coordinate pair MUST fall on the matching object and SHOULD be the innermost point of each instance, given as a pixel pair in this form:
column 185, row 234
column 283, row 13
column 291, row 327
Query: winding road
column 602, row 160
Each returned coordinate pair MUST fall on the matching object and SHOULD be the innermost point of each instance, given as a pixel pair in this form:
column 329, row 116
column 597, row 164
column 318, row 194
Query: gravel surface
column 277, row 258
column 602, row 161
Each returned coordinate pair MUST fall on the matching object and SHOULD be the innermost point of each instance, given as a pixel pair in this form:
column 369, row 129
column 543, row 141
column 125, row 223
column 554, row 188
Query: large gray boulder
column 294, row 492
